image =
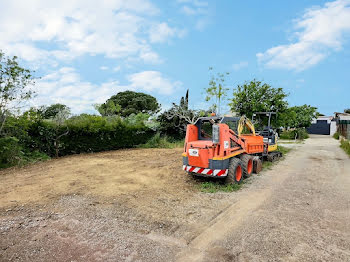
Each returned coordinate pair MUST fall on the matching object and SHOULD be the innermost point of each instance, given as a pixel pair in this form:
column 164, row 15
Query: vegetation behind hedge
column 299, row 133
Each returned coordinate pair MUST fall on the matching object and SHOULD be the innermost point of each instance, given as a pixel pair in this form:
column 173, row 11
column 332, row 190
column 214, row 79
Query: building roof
column 341, row 114
column 344, row 117
column 325, row 118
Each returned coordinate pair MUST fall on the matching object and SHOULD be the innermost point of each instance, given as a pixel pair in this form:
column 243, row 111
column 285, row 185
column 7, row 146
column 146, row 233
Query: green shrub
column 299, row 133
column 336, row 135
column 345, row 145
column 157, row 141
column 10, row 151
column 287, row 135
column 33, row 157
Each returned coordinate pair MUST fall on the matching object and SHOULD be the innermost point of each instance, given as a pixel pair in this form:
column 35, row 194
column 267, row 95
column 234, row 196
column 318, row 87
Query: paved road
column 299, row 211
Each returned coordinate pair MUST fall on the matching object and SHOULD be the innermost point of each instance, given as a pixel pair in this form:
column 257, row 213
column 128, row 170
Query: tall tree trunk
column 3, row 122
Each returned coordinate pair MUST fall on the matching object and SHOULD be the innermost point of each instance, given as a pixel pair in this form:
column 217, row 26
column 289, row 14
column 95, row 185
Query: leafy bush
column 34, row 156
column 345, row 144
column 336, row 135
column 299, row 133
column 157, row 141
column 10, row 151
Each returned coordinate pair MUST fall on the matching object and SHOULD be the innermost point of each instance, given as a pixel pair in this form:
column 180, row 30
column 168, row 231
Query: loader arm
column 244, row 121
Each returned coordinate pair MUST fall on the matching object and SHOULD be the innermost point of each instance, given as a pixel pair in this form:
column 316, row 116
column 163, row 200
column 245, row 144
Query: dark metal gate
column 321, row 127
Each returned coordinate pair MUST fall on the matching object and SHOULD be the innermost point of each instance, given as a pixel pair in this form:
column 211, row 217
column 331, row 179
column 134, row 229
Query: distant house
column 343, row 124
column 323, row 125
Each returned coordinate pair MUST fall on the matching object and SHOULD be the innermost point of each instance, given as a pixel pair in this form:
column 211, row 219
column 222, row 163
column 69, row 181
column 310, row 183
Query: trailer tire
column 257, row 165
column 235, row 171
column 247, row 165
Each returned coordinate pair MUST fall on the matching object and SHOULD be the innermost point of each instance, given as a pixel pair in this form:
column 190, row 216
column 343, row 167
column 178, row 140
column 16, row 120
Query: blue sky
column 86, row 51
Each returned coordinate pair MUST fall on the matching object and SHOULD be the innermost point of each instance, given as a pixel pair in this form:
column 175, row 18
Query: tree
column 59, row 119
column 255, row 96
column 52, row 110
column 216, row 92
column 15, row 83
column 108, row 109
column 130, row 102
column 174, row 121
column 298, row 116
column 347, row 110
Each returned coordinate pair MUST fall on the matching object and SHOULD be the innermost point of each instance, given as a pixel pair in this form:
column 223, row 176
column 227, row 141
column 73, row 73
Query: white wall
column 333, row 128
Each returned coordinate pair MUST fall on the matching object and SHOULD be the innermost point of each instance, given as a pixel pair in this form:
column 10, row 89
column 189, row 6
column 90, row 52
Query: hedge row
column 26, row 136
column 81, row 137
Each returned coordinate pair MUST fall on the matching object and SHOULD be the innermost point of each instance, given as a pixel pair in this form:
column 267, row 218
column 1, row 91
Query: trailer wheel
column 235, row 171
column 257, row 165
column 247, row 165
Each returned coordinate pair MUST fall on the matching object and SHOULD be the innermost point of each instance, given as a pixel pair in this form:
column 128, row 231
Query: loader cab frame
column 266, row 131
column 205, row 125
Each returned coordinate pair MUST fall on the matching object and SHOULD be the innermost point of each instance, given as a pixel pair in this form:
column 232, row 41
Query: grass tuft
column 284, row 150
column 158, row 141
column 345, row 145
column 336, row 135
column 213, row 187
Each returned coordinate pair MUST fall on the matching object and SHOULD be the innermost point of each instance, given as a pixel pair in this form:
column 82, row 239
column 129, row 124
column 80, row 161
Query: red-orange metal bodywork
column 230, row 145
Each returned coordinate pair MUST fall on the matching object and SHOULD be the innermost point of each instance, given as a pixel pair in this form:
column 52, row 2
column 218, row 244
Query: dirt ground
column 138, row 205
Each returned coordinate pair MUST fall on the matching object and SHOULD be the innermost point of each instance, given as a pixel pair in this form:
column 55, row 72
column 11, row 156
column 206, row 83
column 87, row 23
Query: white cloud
column 153, row 81
column 104, row 68
column 198, row 10
column 148, row 56
column 116, row 69
column 240, row 65
column 162, row 32
column 60, row 30
column 188, row 10
column 321, row 31
column 201, row 24
column 194, row 10
column 196, row 3
column 66, row 86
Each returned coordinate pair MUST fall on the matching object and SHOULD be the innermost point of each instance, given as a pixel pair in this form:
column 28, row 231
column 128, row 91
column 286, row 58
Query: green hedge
column 88, row 134
column 27, row 138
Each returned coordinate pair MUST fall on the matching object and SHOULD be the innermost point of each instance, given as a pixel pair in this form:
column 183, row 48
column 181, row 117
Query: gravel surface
column 137, row 205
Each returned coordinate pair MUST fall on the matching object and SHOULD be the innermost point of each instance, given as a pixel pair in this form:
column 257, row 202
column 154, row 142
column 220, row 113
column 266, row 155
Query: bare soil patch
column 68, row 207
column 138, row 205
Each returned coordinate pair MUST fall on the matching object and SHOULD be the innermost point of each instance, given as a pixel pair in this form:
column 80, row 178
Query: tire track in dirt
column 231, row 218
